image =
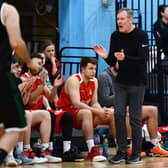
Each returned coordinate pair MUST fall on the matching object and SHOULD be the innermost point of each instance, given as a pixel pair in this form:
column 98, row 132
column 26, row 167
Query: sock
column 129, row 142
column 66, row 146
column 3, row 155
column 44, row 146
column 26, row 147
column 154, row 141
column 50, row 146
column 19, row 147
column 10, row 153
column 115, row 140
column 90, row 144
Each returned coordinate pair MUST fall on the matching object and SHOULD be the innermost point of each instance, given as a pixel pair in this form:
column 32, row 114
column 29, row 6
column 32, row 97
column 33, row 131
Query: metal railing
column 70, row 58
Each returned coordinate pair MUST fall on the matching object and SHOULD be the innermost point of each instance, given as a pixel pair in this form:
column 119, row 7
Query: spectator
column 160, row 29
column 52, row 64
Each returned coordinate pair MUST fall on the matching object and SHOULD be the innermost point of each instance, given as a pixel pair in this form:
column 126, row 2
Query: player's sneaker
column 134, row 159
column 129, row 152
column 29, row 153
column 118, row 158
column 39, row 160
column 51, row 159
column 10, row 161
column 35, row 160
column 24, row 159
column 19, row 162
column 158, row 151
column 95, row 156
column 73, row 155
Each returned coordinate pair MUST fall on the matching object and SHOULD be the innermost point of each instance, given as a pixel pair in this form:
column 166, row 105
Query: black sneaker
column 134, row 159
column 73, row 155
column 118, row 158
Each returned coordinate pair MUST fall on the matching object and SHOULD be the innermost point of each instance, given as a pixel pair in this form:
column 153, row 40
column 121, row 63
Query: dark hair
column 16, row 59
column 36, row 55
column 46, row 43
column 161, row 8
column 129, row 11
column 85, row 60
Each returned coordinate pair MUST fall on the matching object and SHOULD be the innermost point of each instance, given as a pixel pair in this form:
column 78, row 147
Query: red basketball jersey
column 86, row 94
column 38, row 103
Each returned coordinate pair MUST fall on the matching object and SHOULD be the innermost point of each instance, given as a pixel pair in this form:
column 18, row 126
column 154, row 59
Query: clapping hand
column 120, row 55
column 100, row 50
column 58, row 81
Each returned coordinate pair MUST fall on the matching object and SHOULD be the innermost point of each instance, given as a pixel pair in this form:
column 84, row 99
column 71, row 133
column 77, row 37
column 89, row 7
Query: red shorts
column 74, row 113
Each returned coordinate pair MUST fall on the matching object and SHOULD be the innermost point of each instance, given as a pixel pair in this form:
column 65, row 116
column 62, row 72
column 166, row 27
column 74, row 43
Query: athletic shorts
column 11, row 105
column 74, row 113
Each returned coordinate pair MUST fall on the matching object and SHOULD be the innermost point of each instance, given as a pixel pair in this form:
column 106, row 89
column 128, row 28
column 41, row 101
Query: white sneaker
column 95, row 156
column 10, row 161
column 19, row 162
column 99, row 158
column 38, row 160
column 53, row 159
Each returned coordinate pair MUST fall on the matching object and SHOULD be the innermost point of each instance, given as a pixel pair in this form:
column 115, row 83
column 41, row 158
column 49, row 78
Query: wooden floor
column 147, row 162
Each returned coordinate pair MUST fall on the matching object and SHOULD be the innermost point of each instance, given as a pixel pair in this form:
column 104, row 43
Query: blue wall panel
column 84, row 23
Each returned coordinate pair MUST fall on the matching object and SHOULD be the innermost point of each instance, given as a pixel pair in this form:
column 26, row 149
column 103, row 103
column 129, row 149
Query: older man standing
column 128, row 47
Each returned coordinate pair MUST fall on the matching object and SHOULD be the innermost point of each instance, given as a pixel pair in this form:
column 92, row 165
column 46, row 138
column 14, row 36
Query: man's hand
column 107, row 112
column 103, row 117
column 43, row 78
column 100, row 50
column 120, row 55
column 58, row 81
column 52, row 59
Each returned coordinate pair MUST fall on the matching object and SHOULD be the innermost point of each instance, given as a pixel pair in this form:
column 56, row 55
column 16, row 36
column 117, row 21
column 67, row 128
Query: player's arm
column 73, row 89
column 12, row 23
column 97, row 109
column 94, row 101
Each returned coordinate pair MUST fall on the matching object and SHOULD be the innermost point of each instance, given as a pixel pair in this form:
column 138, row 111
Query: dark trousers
column 66, row 122
column 131, row 96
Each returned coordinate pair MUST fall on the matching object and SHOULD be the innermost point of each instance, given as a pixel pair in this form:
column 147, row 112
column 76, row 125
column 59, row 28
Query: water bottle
column 105, row 146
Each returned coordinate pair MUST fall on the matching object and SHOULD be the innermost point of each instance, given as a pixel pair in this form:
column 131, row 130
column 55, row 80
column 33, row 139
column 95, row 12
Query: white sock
column 10, row 153
column 66, row 146
column 50, row 146
column 115, row 141
column 26, row 147
column 90, row 144
column 154, row 141
column 44, row 146
column 19, row 147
